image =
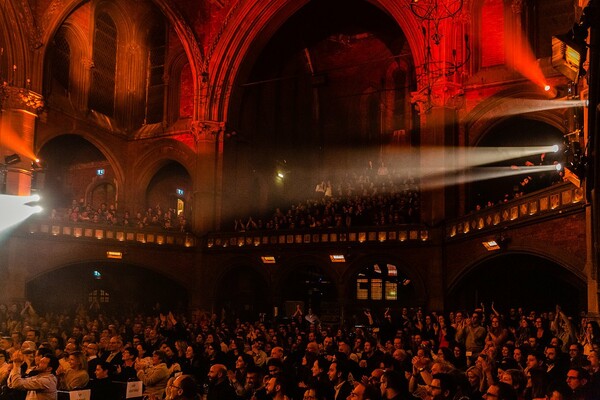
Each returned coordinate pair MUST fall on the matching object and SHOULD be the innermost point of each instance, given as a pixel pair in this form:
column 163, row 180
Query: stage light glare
column 35, row 197
column 558, row 167
column 547, row 88
column 555, row 148
column 37, row 209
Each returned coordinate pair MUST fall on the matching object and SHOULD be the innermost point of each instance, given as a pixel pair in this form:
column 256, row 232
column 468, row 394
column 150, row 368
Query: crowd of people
column 373, row 197
column 153, row 217
column 404, row 353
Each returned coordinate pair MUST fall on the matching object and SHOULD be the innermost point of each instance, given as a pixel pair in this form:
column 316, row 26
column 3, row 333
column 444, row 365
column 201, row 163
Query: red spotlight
column 547, row 88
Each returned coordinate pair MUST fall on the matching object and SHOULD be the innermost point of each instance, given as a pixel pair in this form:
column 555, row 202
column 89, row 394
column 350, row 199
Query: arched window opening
column 186, row 93
column 61, row 61
column 379, row 283
column 103, row 194
column 155, row 85
column 102, row 92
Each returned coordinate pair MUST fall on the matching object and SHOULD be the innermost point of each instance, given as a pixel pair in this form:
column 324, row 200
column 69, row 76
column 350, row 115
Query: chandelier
column 436, row 77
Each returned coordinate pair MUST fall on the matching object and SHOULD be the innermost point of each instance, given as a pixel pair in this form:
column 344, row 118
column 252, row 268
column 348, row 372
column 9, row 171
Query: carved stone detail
column 21, row 99
column 206, row 130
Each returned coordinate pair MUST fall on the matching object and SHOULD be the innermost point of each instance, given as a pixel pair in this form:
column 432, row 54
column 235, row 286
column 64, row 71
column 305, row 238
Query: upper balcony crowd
column 373, row 197
column 401, row 354
column 151, row 218
column 383, row 196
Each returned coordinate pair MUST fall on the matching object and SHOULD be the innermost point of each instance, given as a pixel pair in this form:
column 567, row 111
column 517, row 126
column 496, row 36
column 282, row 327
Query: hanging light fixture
column 435, row 77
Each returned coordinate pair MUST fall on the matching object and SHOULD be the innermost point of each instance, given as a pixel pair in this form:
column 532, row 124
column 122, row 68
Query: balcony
column 548, row 202
column 156, row 237
column 323, row 236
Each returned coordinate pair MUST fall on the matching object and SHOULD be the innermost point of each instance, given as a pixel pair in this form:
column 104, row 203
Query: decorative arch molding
column 505, row 105
column 59, row 10
column 412, row 273
column 240, row 37
column 474, row 264
column 81, row 60
column 175, row 65
column 159, row 155
column 20, row 34
column 89, row 190
column 101, row 145
column 170, row 273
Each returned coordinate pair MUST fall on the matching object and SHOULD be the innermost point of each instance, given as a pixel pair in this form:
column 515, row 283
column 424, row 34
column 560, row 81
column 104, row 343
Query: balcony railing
column 552, row 200
column 110, row 233
column 390, row 234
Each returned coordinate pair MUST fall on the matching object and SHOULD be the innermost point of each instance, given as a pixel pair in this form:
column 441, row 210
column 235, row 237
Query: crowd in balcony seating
column 525, row 184
column 458, row 355
column 374, row 197
column 153, row 217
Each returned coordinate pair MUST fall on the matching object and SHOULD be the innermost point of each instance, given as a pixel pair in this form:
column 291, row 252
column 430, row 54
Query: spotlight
column 558, row 167
column 547, row 88
column 555, row 148
column 12, row 159
column 569, row 54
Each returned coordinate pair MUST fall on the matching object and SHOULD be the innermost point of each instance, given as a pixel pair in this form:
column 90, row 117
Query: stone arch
column 20, row 37
column 175, row 65
column 80, row 50
column 127, row 283
column 101, row 145
column 508, row 103
column 159, row 155
column 95, row 184
column 57, row 12
column 238, row 39
column 516, row 264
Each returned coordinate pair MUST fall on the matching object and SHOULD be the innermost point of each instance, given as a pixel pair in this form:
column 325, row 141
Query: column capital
column 15, row 98
column 205, row 130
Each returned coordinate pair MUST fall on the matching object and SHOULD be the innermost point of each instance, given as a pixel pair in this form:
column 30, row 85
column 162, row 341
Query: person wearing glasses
column 442, row 387
column 183, row 387
column 577, row 380
column 500, row 391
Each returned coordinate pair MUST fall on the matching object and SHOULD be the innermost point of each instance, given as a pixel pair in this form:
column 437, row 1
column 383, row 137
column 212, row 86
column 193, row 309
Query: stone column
column 20, row 108
column 208, row 185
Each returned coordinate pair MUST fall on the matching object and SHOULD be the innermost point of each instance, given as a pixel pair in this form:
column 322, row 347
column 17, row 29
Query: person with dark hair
column 319, row 379
column 338, row 375
column 371, row 357
column 577, row 380
column 254, row 387
column 43, row 385
column 102, row 387
column 182, row 387
column 393, row 385
column 276, row 389
column 500, row 391
column 237, row 377
column 442, row 387
column 126, row 371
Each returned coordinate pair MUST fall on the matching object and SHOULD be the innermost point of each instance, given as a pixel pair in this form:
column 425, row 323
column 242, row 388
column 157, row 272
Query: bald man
column 218, row 384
